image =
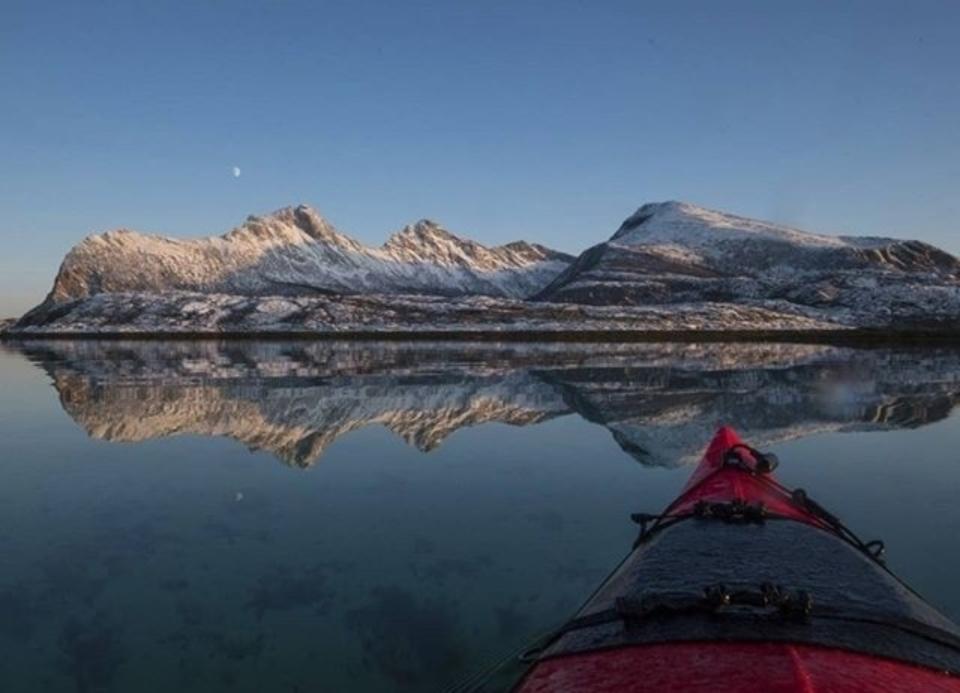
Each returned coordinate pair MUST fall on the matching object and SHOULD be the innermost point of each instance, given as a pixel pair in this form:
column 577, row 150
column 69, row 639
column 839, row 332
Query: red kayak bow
column 732, row 472
column 744, row 585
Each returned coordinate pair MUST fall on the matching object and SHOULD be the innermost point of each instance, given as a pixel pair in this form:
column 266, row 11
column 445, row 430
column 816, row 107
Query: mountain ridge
column 295, row 250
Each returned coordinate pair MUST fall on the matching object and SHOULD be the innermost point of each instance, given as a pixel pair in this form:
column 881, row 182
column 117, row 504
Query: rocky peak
column 310, row 222
column 675, row 212
column 427, row 241
column 534, row 252
column 646, row 212
column 114, row 237
column 423, row 231
column 302, row 218
column 691, row 226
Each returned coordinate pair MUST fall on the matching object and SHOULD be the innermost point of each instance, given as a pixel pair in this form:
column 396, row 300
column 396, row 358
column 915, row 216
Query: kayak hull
column 709, row 667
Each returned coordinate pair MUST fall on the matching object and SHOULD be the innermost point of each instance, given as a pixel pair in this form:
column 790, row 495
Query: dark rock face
column 188, row 313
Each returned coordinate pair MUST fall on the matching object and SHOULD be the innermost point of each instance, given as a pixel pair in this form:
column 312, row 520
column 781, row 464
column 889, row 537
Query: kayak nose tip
column 726, row 434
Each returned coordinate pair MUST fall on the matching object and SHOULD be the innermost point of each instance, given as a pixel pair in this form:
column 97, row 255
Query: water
column 321, row 516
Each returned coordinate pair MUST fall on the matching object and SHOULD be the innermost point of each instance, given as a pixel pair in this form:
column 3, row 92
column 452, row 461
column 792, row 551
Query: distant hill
column 675, row 252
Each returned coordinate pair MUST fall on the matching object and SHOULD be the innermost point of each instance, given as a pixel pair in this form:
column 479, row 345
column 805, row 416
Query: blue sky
column 549, row 121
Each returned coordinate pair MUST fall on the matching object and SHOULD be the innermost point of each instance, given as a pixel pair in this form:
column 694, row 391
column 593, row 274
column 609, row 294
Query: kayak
column 742, row 584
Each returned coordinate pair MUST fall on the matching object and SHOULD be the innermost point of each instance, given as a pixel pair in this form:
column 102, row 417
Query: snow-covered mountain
column 295, row 251
column 675, row 252
column 670, row 266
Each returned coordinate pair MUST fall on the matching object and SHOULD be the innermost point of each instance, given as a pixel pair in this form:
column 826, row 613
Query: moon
column 236, row 171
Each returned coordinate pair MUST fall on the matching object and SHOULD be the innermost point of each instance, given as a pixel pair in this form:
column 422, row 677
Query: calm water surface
column 296, row 516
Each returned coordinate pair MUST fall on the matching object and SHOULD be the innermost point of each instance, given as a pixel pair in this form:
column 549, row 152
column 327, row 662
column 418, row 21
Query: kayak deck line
column 745, row 473
column 741, row 512
column 717, row 600
column 742, row 569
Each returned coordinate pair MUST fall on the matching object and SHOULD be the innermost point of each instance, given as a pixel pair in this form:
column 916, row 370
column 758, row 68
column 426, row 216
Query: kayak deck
column 657, row 595
column 742, row 584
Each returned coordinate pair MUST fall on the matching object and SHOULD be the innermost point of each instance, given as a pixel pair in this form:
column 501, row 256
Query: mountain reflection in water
column 659, row 401
column 184, row 564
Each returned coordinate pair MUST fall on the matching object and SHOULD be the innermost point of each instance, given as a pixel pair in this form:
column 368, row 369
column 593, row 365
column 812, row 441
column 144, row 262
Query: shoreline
column 843, row 336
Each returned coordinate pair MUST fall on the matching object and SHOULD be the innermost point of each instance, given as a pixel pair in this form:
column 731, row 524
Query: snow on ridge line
column 695, row 226
column 284, row 228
